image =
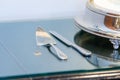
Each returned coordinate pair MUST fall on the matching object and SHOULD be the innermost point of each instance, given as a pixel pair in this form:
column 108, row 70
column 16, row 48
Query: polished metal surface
column 117, row 23
column 98, row 29
column 112, row 15
column 102, row 75
column 112, row 22
column 106, row 25
column 102, row 9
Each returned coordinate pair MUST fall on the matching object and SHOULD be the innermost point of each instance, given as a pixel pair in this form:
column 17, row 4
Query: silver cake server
column 43, row 38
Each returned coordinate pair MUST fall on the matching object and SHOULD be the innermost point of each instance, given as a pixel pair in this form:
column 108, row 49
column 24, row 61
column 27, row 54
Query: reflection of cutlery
column 83, row 51
column 101, row 61
column 43, row 38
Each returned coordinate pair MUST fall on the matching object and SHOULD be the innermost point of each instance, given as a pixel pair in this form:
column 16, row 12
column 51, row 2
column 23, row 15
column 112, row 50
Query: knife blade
column 81, row 50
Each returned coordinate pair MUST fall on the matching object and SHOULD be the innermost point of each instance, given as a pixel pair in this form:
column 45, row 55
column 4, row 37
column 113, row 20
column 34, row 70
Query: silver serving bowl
column 106, row 25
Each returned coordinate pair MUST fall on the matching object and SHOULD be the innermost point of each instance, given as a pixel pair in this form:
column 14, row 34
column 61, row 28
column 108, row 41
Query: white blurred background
column 39, row 9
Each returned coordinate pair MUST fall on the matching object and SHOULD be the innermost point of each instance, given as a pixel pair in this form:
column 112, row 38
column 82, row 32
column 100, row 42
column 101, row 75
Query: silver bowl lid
column 106, row 7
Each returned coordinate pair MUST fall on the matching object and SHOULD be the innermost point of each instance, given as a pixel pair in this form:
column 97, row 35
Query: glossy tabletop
column 18, row 49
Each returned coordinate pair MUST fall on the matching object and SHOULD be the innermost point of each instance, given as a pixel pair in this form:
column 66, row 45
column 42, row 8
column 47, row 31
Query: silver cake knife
column 83, row 51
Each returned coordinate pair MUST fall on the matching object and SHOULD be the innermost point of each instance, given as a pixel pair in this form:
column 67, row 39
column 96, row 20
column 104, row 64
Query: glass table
column 21, row 58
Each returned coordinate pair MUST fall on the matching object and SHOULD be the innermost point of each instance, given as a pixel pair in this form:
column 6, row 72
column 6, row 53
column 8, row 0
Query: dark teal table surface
column 18, row 47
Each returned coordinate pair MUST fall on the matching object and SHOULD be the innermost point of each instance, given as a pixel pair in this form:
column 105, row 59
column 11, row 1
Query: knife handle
column 83, row 51
column 60, row 54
